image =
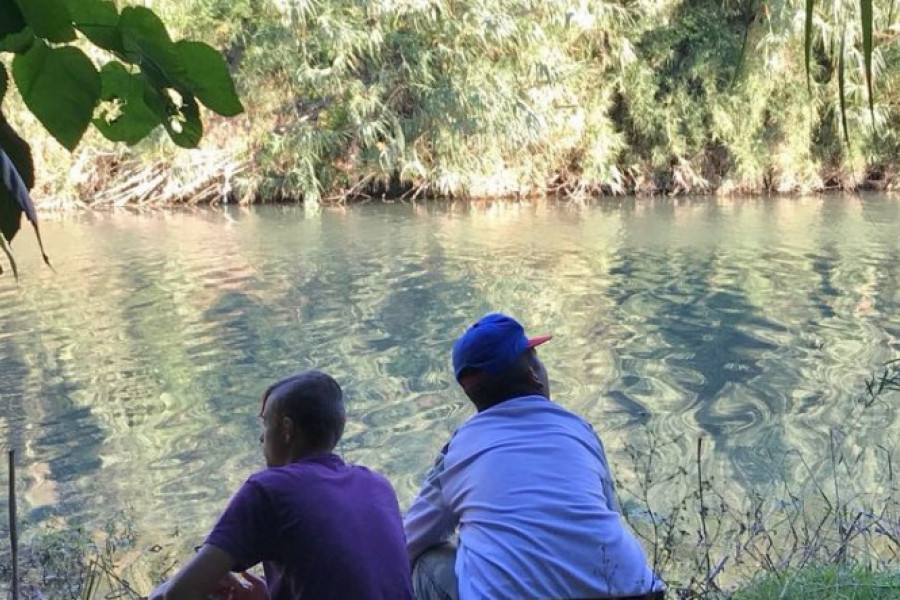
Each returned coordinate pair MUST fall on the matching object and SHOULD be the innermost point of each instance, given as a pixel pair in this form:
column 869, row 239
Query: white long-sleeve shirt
column 528, row 486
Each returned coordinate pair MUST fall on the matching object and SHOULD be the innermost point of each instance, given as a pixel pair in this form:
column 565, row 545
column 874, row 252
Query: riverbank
column 445, row 99
column 82, row 571
column 802, row 549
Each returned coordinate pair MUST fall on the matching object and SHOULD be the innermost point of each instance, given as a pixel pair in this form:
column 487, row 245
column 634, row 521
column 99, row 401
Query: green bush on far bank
column 518, row 96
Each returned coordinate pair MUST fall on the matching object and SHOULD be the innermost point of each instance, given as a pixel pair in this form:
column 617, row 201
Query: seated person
column 528, row 487
column 322, row 529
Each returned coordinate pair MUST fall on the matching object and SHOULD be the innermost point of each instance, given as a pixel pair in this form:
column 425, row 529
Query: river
column 130, row 376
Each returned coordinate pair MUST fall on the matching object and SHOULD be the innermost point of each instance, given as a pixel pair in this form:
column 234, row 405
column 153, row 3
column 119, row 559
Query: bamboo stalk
column 13, row 531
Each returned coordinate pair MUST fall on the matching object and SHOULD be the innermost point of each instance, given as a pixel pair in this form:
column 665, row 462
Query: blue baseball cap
column 492, row 345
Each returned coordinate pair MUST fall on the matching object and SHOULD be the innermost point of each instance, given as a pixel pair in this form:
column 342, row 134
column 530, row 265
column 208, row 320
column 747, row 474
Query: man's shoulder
column 526, row 408
column 513, row 419
column 308, row 480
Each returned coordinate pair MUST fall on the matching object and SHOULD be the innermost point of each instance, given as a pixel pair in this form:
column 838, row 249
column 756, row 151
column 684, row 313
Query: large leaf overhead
column 147, row 42
column 61, row 87
column 98, row 20
column 207, row 76
column 16, row 178
column 48, row 19
column 124, row 114
column 148, row 81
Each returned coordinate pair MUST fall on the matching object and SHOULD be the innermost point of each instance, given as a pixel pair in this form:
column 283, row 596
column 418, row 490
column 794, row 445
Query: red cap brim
column 537, row 341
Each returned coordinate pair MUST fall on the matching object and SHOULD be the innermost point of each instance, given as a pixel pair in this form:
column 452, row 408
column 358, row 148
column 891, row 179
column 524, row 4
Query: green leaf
column 185, row 127
column 208, row 78
column 4, row 84
column 98, row 20
column 147, row 42
column 178, row 112
column 807, row 40
column 49, row 19
column 128, row 119
column 61, row 87
column 18, row 43
column 865, row 10
column 11, row 19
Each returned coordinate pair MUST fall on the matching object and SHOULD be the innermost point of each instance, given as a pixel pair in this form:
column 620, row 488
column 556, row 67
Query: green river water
column 130, row 377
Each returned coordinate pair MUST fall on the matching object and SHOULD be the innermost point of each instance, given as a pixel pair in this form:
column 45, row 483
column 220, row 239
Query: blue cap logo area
column 493, row 344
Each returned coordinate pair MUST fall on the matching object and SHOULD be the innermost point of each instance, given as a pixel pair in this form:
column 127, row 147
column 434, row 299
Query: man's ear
column 534, row 377
column 288, row 429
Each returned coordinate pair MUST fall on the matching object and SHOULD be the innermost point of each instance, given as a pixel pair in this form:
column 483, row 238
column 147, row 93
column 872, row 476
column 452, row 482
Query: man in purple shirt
column 321, row 528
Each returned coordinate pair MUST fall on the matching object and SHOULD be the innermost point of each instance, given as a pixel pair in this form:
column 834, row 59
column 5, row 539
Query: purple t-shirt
column 322, row 529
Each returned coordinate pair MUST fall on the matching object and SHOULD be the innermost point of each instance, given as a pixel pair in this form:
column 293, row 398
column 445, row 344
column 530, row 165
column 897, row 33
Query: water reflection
column 131, row 376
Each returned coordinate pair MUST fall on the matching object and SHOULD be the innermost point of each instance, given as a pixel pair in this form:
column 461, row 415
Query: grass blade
column 865, row 11
column 807, row 41
column 842, row 95
column 13, row 522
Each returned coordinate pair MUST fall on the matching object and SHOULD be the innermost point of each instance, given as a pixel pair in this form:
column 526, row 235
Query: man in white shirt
column 526, row 485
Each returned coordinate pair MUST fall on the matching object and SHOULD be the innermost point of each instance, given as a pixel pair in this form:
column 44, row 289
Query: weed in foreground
column 70, row 564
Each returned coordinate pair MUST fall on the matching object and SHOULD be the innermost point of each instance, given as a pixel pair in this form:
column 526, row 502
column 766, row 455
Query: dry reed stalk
column 13, row 528
column 208, row 179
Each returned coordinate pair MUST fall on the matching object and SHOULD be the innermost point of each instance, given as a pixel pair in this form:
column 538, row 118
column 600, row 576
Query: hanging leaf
column 807, row 41
column 18, row 151
column 98, row 20
column 15, row 200
column 16, row 178
column 865, row 11
column 178, row 111
column 48, row 19
column 127, row 118
column 61, row 87
column 208, row 78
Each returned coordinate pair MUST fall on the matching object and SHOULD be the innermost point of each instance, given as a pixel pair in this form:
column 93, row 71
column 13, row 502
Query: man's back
column 531, row 488
column 322, row 529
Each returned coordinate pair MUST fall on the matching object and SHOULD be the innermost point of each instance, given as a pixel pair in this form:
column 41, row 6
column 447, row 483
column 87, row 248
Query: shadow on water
column 57, row 442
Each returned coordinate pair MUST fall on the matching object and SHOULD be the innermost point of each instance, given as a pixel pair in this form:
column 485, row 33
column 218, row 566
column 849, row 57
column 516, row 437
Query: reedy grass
column 65, row 563
column 448, row 98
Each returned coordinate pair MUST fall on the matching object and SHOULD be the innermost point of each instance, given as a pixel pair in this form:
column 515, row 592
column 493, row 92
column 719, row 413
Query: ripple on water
column 131, row 376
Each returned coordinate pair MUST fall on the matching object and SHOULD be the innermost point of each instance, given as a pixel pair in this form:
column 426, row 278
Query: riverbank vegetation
column 400, row 97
